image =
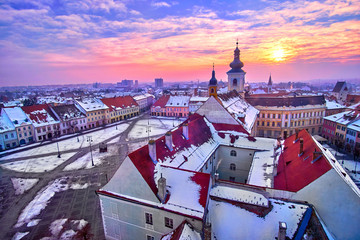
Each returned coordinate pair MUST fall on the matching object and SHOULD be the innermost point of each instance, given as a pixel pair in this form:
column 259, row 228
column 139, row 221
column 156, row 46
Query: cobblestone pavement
column 71, row 204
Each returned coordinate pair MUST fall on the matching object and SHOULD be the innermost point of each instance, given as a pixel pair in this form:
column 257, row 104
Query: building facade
column 96, row 111
column 280, row 116
column 159, row 107
column 159, row 83
column 8, row 137
column 72, row 120
column 177, row 106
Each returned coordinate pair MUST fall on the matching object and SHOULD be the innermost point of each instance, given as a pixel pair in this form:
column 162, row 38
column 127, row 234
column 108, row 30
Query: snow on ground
column 350, row 167
column 73, row 143
column 157, row 126
column 33, row 222
column 19, row 235
column 233, row 222
column 136, row 145
column 37, row 165
column 84, row 162
column 65, row 229
column 43, row 197
column 23, row 184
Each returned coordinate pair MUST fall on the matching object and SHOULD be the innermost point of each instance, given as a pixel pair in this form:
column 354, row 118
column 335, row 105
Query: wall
column 126, row 220
column 243, row 161
column 337, row 204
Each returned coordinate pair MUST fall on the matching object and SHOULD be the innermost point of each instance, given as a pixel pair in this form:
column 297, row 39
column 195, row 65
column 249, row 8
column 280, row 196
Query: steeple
column 270, row 84
column 213, row 84
column 236, row 64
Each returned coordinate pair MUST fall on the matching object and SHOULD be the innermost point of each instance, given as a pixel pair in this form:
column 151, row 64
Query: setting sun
column 278, row 55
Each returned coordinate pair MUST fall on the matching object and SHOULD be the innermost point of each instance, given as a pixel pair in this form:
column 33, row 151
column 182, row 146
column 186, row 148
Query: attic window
column 177, row 104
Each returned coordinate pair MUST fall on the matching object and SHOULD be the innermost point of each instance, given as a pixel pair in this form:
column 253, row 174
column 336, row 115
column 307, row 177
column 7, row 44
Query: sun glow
column 278, row 54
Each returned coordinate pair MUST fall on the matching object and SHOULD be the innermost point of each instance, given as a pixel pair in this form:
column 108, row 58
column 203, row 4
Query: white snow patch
column 21, row 185
column 37, row 165
column 33, row 222
column 43, row 198
column 19, row 235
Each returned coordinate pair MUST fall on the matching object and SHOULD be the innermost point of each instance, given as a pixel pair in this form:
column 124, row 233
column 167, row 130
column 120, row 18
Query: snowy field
column 157, row 126
column 21, row 185
column 137, row 145
column 84, row 162
column 37, row 165
column 73, row 143
column 43, row 197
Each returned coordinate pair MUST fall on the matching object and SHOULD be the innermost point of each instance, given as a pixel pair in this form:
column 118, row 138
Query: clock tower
column 236, row 76
column 213, row 85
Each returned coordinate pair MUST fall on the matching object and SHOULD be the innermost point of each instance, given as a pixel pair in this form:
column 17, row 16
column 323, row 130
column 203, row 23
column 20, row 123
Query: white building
column 8, row 137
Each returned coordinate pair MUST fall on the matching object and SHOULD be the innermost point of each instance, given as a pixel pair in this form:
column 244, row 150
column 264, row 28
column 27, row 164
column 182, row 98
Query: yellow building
column 280, row 115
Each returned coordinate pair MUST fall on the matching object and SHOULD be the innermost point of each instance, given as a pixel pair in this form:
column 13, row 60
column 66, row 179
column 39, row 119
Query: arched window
column 212, row 90
column 233, row 153
column 232, row 166
column 234, row 82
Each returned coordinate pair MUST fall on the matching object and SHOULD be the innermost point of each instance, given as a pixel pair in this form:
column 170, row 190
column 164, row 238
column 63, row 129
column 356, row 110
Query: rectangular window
column 148, row 218
column 168, row 222
column 6, row 136
column 279, row 116
column 286, row 116
column 148, row 237
column 285, row 124
column 20, row 135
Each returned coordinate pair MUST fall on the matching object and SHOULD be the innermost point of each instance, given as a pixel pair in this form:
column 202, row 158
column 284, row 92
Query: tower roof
column 236, row 64
column 213, row 81
column 270, row 81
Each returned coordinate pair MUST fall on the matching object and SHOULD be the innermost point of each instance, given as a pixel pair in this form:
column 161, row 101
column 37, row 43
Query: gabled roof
column 199, row 133
column 66, row 112
column 5, row 124
column 294, row 172
column 339, row 86
column 17, row 116
column 118, row 103
column 91, row 104
column 286, row 101
column 178, row 101
column 185, row 231
column 161, row 102
column 344, row 118
column 40, row 115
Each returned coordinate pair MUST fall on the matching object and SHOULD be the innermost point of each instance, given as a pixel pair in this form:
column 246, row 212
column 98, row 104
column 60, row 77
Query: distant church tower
column 213, row 85
column 270, row 85
column 236, row 76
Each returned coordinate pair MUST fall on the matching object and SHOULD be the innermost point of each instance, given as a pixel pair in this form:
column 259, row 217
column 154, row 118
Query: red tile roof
column 229, row 127
column 38, row 117
column 199, row 133
column 119, row 102
column 294, row 172
column 161, row 102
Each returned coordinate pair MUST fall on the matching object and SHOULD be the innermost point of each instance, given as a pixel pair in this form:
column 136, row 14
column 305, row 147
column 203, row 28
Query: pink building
column 178, row 106
column 329, row 129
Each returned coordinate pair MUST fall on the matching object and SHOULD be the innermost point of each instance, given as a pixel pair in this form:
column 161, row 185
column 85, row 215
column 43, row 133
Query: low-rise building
column 121, row 108
column 96, row 111
column 25, row 132
column 177, row 106
column 8, row 138
column 144, row 101
column 280, row 116
column 159, row 107
column 353, row 136
column 72, row 120
column 46, row 126
column 340, row 92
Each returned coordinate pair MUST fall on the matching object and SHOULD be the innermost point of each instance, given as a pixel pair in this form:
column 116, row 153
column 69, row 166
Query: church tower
column 213, row 85
column 270, row 84
column 236, row 76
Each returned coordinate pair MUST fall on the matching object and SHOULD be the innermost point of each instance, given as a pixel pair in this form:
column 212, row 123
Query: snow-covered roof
column 66, row 112
column 355, row 126
column 178, row 101
column 40, row 115
column 185, row 231
column 143, row 96
column 118, row 103
column 230, row 220
column 344, row 118
column 333, row 105
column 17, row 116
column 92, row 104
column 239, row 108
column 5, row 124
column 198, row 99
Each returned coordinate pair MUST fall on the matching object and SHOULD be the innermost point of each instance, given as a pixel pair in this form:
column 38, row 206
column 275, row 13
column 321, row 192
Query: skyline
column 51, row 42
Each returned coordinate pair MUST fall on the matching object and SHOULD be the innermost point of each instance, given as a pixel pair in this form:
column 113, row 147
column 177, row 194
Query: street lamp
column 59, row 156
column 89, row 140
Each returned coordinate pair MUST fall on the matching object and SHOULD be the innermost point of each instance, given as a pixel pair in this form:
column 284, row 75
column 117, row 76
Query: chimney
column 186, row 131
column 282, row 231
column 301, row 150
column 162, row 188
column 316, row 155
column 296, row 135
column 168, row 140
column 152, row 151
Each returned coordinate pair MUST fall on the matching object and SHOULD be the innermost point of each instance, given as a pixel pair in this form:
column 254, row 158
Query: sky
column 84, row 41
